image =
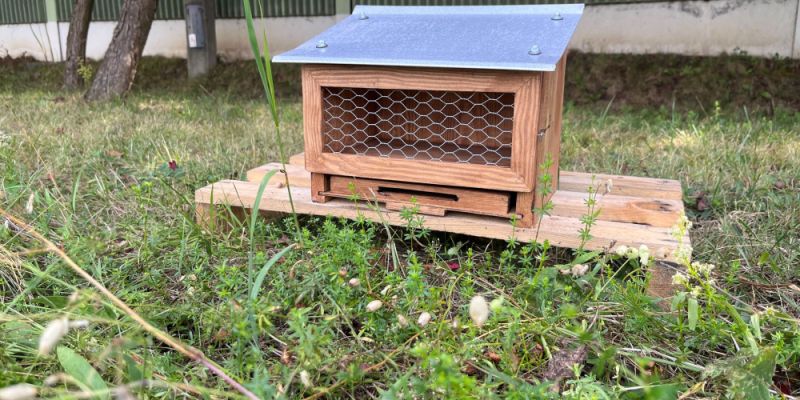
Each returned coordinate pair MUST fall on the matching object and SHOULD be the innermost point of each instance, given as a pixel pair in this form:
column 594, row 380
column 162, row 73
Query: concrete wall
column 167, row 38
column 757, row 27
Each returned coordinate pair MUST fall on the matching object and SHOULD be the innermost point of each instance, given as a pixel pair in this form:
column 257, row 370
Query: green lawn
column 95, row 179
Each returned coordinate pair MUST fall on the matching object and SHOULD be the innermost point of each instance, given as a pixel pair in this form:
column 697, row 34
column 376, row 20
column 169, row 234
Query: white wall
column 167, row 38
column 758, row 27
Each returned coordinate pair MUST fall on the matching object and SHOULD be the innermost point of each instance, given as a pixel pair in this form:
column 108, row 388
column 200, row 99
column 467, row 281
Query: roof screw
column 363, row 16
column 557, row 17
column 321, row 44
column 534, row 51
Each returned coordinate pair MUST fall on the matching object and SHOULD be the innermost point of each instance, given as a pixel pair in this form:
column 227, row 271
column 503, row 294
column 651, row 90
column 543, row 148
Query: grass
column 97, row 180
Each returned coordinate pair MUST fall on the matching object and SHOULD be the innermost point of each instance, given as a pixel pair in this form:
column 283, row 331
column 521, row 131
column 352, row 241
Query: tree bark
column 76, row 42
column 118, row 69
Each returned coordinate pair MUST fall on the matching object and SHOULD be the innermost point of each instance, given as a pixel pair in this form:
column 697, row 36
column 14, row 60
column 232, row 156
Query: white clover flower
column 305, row 378
column 20, row 391
column 479, row 311
column 52, row 334
column 579, row 270
column 374, row 305
column 644, row 255
column 354, row 282
column 621, row 250
column 424, row 318
column 402, row 321
column 679, row 279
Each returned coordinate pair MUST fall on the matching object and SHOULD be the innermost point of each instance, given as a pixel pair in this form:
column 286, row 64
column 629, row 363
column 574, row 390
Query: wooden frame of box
column 534, row 136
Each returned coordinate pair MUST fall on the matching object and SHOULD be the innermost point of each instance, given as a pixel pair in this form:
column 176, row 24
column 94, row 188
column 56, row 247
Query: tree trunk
column 76, row 42
column 115, row 75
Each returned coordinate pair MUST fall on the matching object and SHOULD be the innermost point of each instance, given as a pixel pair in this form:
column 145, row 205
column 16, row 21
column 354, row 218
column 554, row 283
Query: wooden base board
column 430, row 199
column 638, row 211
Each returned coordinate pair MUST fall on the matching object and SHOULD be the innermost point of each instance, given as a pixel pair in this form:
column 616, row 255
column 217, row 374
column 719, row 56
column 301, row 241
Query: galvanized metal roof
column 528, row 38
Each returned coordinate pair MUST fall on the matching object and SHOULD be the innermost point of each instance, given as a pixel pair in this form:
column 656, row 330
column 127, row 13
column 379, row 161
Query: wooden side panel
column 548, row 137
column 312, row 116
column 526, row 112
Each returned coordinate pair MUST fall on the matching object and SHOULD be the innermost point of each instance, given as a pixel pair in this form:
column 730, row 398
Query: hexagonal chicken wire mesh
column 460, row 127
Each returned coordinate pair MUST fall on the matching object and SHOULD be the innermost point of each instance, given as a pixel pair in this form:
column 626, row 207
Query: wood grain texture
column 527, row 108
column 664, row 189
column 637, row 210
column 622, row 185
column 560, row 230
column 525, row 86
column 524, row 210
column 320, row 183
column 397, row 195
column 548, row 138
column 312, row 115
column 432, row 172
column 416, row 78
column 625, row 214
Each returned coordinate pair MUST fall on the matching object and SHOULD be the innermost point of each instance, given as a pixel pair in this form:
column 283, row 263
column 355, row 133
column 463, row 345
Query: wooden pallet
column 638, row 211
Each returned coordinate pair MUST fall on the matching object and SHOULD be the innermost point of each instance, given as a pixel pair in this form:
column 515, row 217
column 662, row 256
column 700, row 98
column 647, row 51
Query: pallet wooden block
column 638, row 211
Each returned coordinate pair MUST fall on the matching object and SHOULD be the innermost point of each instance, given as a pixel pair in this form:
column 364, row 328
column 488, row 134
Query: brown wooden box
column 451, row 127
column 444, row 107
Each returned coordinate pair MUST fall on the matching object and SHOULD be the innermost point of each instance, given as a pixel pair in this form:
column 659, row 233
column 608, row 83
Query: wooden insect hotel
column 457, row 108
column 456, row 111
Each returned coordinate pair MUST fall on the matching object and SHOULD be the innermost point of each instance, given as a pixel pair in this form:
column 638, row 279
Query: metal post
column 201, row 37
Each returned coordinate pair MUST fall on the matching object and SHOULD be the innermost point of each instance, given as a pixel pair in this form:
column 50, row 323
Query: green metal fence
column 108, row 10
column 22, row 11
column 35, row 11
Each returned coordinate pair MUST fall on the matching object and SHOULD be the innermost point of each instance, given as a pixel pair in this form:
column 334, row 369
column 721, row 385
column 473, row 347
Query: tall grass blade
column 265, row 269
column 264, row 67
column 75, row 187
column 253, row 218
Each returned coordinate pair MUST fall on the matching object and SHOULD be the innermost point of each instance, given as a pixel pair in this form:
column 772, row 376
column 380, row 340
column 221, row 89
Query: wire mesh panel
column 459, row 127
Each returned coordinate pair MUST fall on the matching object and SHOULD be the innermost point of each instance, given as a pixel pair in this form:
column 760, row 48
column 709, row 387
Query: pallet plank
column 561, row 231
